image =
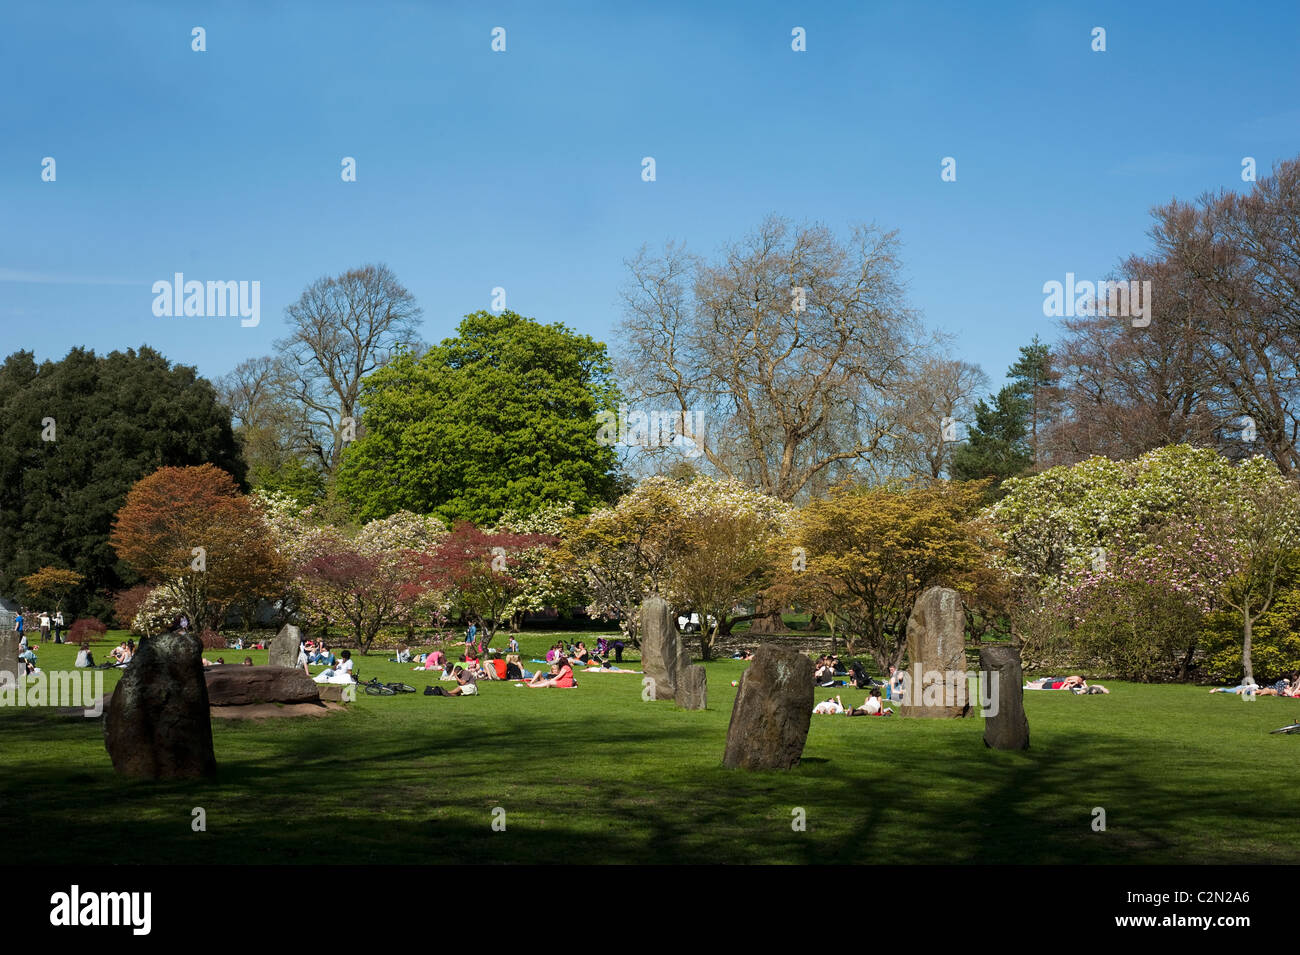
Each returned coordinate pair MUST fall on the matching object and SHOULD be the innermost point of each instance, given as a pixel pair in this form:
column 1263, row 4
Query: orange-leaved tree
column 192, row 533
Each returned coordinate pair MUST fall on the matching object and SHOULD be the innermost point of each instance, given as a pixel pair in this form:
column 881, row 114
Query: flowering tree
column 545, row 582
column 1143, row 549
column 478, row 572
column 618, row 555
column 360, row 579
column 722, row 559
column 700, row 543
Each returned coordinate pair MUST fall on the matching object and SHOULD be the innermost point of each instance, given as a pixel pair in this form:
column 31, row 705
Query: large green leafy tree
column 500, row 417
column 115, row 419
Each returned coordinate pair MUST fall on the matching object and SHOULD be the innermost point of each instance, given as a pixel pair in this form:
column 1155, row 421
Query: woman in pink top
column 563, row 676
column 433, row 660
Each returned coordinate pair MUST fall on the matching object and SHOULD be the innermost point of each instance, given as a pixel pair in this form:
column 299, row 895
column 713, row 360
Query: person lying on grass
column 1055, row 683
column 608, row 667
column 829, row 707
column 1075, row 684
column 872, row 706
column 1290, row 688
column 561, row 675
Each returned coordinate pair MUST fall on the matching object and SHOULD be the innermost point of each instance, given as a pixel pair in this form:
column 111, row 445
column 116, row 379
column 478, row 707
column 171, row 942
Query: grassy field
column 597, row 775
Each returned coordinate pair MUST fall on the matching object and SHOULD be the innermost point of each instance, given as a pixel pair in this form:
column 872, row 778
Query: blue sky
column 522, row 169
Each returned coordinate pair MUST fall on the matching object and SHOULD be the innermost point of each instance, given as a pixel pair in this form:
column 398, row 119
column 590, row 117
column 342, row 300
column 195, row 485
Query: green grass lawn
column 597, row 775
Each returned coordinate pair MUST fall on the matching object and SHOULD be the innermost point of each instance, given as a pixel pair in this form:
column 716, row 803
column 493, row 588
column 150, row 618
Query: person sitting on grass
column 561, row 675
column 403, row 655
column 466, row 685
column 433, row 660
column 248, row 662
column 829, row 707
column 339, row 674
column 515, row 668
column 84, row 657
column 872, row 706
column 119, row 654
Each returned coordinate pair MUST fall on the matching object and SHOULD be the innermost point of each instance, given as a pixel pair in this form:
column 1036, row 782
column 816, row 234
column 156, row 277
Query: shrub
column 127, row 604
column 86, row 629
column 212, row 640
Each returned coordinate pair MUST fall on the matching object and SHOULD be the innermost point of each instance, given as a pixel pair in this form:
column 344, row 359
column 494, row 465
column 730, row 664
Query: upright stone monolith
column 661, row 649
column 158, row 725
column 1005, row 723
column 936, row 652
column 769, row 723
column 11, row 668
column 693, row 688
column 284, row 647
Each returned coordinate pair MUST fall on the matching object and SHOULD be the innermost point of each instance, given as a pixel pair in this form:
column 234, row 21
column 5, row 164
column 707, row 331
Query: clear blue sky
column 523, row 169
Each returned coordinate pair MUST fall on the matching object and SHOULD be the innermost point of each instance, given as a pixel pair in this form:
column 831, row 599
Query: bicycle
column 375, row 688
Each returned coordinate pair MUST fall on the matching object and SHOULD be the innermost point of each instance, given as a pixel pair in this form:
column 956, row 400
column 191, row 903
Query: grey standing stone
column 11, row 668
column 936, row 652
column 693, row 688
column 1005, row 726
column 284, row 647
column 157, row 725
column 661, row 649
column 769, row 723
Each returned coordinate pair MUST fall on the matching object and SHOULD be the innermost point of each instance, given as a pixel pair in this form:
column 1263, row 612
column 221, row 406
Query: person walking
column 58, row 626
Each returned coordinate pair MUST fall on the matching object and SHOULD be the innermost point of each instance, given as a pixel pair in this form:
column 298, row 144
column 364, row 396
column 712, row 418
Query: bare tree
column 1243, row 255
column 792, row 348
column 343, row 328
column 939, row 395
column 264, row 419
column 1127, row 390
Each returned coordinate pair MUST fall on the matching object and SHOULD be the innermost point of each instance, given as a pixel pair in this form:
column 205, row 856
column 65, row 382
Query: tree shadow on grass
column 634, row 787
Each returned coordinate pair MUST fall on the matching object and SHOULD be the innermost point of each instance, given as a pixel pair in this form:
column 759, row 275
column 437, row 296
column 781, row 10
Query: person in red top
column 500, row 666
column 561, row 676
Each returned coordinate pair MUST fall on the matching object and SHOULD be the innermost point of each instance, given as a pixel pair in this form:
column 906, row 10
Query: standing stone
column 661, row 649
column 936, row 652
column 693, row 688
column 10, row 666
column 237, row 685
column 284, row 647
column 158, row 725
column 769, row 723
column 1005, row 725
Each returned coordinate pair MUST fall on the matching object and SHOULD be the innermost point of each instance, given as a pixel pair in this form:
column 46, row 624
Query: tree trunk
column 769, row 622
column 1246, row 663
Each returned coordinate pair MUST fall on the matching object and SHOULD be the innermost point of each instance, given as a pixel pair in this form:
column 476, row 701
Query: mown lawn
column 597, row 775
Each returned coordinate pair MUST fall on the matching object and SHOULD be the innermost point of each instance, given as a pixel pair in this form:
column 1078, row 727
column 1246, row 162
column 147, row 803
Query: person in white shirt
column 45, row 626
column 339, row 674
column 58, row 626
column 829, row 707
